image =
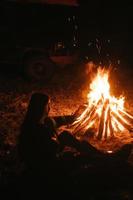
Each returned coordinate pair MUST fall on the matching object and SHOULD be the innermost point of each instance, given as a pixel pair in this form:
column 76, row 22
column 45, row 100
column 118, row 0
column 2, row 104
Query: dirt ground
column 67, row 90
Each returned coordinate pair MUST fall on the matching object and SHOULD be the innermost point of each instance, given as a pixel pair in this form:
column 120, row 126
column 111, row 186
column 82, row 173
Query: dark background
column 30, row 24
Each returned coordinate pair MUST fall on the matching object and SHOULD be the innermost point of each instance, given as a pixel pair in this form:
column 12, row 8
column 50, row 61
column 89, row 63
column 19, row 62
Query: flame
column 99, row 87
column 104, row 112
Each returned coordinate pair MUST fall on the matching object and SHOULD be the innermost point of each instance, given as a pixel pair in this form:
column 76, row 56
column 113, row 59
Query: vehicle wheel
column 39, row 69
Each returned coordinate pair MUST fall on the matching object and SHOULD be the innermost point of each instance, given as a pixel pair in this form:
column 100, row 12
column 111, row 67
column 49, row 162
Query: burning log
column 84, row 123
column 103, row 121
column 126, row 115
column 122, row 121
column 111, row 132
column 82, row 120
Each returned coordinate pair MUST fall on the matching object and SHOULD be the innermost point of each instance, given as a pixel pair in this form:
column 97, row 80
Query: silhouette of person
column 35, row 141
column 38, row 143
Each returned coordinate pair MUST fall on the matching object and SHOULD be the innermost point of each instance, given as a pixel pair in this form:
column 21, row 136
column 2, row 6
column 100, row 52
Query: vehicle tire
column 39, row 69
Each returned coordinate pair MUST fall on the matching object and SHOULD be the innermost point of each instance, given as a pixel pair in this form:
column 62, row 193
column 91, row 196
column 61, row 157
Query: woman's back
column 36, row 147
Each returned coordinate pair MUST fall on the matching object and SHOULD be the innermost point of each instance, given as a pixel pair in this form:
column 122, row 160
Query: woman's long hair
column 36, row 108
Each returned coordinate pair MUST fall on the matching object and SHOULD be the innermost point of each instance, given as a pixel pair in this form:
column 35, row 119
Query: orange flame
column 103, row 112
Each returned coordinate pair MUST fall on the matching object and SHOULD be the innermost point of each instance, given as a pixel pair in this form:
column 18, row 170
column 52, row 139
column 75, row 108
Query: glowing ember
column 104, row 114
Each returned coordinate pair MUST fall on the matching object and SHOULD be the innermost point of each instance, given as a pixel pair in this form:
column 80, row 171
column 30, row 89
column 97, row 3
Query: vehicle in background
column 38, row 38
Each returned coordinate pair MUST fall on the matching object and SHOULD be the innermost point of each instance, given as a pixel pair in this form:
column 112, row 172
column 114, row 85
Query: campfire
column 104, row 114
